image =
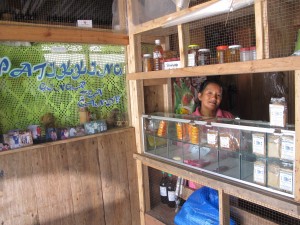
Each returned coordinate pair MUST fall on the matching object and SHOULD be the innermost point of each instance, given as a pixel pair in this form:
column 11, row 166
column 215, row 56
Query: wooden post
column 297, row 131
column 224, row 208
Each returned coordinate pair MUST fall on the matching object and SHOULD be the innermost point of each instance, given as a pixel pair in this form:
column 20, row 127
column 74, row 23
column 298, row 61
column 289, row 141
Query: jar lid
column 193, row 46
column 235, row 46
column 222, row 47
column 147, row 55
column 244, row 49
column 253, row 48
column 204, row 50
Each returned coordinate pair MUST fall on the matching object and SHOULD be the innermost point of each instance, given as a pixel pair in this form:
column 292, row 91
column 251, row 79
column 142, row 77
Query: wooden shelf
column 256, row 66
column 161, row 214
column 269, row 200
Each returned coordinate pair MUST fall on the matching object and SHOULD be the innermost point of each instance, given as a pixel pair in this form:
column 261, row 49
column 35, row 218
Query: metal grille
column 53, row 12
column 25, row 99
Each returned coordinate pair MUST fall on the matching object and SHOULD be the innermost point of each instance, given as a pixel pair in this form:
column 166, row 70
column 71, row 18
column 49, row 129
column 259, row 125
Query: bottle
column 163, row 188
column 147, row 62
column 171, row 192
column 245, row 54
column 222, row 54
column 192, row 55
column 157, row 55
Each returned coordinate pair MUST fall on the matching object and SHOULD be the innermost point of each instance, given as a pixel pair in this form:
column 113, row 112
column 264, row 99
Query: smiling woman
column 210, row 97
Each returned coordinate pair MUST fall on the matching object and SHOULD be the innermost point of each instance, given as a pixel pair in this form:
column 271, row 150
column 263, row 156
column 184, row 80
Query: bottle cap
column 253, row 48
column 222, row 47
column 204, row 50
column 147, row 55
column 235, row 46
column 244, row 49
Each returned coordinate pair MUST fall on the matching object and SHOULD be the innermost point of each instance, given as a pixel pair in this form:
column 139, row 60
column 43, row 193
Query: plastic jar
column 192, row 55
column 245, row 54
column 147, row 63
column 222, row 54
column 253, row 53
column 234, row 53
column 203, row 57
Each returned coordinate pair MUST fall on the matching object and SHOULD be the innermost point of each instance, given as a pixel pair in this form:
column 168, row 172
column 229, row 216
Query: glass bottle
column 157, row 56
column 163, row 188
column 147, row 62
column 234, row 53
column 245, row 54
column 203, row 57
column 192, row 55
column 222, row 54
column 171, row 192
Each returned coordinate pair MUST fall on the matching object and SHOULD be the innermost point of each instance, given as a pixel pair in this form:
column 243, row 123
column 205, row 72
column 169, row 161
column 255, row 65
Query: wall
column 87, row 180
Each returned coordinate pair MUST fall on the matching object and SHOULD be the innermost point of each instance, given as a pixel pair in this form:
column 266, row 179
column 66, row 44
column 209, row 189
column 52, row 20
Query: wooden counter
column 84, row 180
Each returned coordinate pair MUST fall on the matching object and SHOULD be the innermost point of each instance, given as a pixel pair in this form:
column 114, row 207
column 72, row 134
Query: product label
column 259, row 174
column 163, row 191
column 157, row 55
column 224, row 142
column 286, row 181
column 277, row 115
column 287, row 149
column 171, row 65
column 191, row 59
column 212, row 139
column 258, row 145
column 171, row 196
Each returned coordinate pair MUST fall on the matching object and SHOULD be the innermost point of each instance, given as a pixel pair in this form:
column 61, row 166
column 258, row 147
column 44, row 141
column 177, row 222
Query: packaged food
column 212, row 138
column 273, row 175
column 259, row 173
column 222, row 54
column 162, row 128
column 286, row 177
column 274, row 145
column 147, row 63
column 287, row 147
column 193, row 55
column 278, row 112
column 259, row 144
column 228, row 141
column 203, row 57
column 234, row 51
column 194, row 134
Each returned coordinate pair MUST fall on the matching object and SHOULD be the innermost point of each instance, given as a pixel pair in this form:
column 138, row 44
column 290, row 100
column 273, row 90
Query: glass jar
column 222, row 54
column 192, row 55
column 203, row 57
column 252, row 53
column 234, row 53
column 147, row 63
column 245, row 54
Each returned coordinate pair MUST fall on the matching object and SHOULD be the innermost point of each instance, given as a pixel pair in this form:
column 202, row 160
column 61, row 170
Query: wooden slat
column 224, row 208
column 255, row 66
column 297, row 129
column 12, row 32
column 269, row 200
column 259, row 31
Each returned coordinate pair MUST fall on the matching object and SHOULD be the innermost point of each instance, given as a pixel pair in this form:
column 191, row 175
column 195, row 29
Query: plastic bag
column 202, row 207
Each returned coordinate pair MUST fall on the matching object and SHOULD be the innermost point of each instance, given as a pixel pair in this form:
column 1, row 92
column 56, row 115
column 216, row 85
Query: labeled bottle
column 157, row 56
column 171, row 192
column 222, row 54
column 192, row 55
column 163, row 188
column 147, row 62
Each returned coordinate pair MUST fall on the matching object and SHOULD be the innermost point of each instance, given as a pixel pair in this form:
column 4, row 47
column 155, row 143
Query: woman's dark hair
column 207, row 82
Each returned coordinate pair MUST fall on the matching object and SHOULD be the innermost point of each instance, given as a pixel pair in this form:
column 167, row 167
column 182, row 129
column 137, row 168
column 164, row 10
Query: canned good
column 234, row 53
column 222, row 54
column 203, row 57
column 192, row 55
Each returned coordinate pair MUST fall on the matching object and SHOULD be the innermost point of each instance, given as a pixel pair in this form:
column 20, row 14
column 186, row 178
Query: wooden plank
column 297, row 130
column 114, row 180
column 259, row 29
column 12, row 32
column 154, row 82
column 267, row 199
column 224, row 208
column 255, row 66
column 150, row 220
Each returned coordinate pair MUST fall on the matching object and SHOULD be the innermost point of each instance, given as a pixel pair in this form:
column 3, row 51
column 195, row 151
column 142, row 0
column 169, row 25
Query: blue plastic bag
column 201, row 208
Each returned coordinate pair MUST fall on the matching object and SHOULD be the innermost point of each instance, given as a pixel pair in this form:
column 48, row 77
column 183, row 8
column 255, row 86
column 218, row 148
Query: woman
column 210, row 97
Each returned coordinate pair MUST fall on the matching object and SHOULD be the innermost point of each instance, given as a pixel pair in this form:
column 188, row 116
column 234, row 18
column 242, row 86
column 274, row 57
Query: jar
column 203, row 57
column 234, row 53
column 192, row 55
column 245, row 54
column 222, row 54
column 147, row 63
column 252, row 53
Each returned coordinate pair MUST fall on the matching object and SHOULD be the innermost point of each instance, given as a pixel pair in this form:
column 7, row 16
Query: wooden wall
column 82, row 181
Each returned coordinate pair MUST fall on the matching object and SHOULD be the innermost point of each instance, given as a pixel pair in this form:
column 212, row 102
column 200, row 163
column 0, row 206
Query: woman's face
column 211, row 97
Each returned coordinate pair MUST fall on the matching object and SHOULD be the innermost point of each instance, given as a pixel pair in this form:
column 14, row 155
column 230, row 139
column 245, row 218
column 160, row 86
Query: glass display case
column 251, row 152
